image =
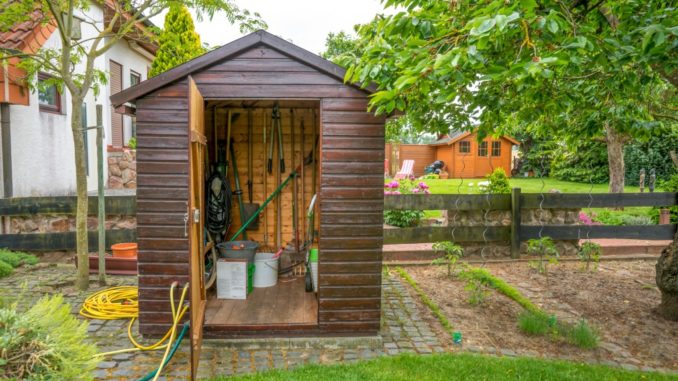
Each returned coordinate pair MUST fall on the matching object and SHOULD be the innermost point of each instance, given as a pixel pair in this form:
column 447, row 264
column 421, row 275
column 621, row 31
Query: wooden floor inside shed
column 285, row 303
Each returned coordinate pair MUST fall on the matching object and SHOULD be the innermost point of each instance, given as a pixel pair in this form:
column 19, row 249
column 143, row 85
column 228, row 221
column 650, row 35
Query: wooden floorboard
column 285, row 303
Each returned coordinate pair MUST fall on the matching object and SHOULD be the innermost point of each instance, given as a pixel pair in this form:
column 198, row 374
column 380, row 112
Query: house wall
column 422, row 154
column 42, row 143
column 130, row 60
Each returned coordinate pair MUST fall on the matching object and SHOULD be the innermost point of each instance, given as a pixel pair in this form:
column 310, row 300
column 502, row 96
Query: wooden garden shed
column 180, row 112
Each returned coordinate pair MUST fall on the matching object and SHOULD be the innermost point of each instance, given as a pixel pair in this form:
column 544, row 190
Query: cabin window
column 49, row 98
column 464, row 146
column 482, row 149
column 496, row 148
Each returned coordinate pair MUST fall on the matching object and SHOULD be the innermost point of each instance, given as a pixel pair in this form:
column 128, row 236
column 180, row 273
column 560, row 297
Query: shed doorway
column 259, row 166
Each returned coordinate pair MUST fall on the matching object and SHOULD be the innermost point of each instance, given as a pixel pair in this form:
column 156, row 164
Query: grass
column 526, row 185
column 533, row 324
column 502, row 287
column 451, row 367
column 435, row 309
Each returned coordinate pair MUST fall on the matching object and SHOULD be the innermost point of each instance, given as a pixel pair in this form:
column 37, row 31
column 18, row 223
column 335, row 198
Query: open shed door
column 198, row 141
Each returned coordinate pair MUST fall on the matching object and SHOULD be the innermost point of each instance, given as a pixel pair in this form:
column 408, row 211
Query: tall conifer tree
column 179, row 42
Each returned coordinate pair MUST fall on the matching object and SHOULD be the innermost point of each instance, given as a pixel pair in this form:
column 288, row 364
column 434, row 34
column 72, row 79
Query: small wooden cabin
column 180, row 114
column 465, row 156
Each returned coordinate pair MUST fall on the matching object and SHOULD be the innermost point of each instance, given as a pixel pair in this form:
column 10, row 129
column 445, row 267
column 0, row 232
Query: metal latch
column 185, row 224
column 196, row 216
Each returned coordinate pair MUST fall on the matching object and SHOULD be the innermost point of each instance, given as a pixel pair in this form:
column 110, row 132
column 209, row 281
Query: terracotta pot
column 124, row 250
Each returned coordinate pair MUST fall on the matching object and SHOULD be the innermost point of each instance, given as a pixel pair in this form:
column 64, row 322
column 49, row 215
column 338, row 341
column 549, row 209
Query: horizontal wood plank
column 596, row 200
column 26, row 206
column 575, row 232
column 447, row 202
column 63, row 241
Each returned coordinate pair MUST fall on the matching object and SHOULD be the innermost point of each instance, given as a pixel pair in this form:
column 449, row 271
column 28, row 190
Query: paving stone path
column 403, row 331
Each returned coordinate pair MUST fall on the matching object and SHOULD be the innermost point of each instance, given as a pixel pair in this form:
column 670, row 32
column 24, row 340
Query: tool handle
column 270, row 165
column 282, row 165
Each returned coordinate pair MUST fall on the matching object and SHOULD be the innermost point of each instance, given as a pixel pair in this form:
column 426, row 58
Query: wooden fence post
column 515, row 223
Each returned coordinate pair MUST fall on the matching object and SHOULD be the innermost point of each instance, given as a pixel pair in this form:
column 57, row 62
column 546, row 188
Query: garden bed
column 618, row 299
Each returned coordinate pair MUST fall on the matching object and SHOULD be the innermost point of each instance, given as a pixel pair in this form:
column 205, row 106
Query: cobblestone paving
column 403, row 331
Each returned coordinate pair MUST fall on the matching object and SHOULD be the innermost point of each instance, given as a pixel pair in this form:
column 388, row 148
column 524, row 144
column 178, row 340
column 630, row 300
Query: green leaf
column 483, row 28
column 552, row 26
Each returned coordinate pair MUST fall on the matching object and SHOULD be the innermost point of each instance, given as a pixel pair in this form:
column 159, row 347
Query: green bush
column 589, row 252
column 45, row 343
column 17, row 258
column 132, row 142
column 453, row 253
column 545, row 249
column 5, row 269
column 653, row 153
column 498, row 182
column 584, row 161
column 404, row 218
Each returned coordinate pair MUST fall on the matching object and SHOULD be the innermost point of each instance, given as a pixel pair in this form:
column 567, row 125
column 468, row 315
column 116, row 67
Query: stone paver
column 403, row 330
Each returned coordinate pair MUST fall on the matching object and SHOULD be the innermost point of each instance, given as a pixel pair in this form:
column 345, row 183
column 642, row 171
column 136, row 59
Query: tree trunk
column 667, row 281
column 615, row 158
column 82, row 249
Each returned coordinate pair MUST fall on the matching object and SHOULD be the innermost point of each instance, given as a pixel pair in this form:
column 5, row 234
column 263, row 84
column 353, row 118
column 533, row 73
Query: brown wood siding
column 351, row 190
column 162, row 162
column 351, row 213
column 117, row 138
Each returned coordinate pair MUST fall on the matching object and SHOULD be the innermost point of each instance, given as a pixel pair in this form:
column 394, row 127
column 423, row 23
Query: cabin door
column 198, row 141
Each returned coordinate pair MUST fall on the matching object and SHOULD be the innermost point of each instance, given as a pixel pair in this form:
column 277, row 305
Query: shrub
column 453, row 253
column 17, row 258
column 132, row 142
column 589, row 252
column 498, row 182
column 45, row 343
column 404, row 218
column 545, row 249
column 583, row 161
column 652, row 153
column 5, row 269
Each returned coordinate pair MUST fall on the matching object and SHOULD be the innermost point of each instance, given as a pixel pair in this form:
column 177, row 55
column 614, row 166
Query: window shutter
column 116, row 119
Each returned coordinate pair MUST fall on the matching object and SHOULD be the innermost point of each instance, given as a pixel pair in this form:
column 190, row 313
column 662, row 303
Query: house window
column 464, row 146
column 49, row 98
column 496, row 148
column 482, row 149
column 134, row 78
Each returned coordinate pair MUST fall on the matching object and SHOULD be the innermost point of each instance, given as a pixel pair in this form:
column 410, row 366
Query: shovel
column 250, row 208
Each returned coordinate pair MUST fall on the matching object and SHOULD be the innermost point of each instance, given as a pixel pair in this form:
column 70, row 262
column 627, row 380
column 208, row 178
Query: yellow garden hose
column 123, row 303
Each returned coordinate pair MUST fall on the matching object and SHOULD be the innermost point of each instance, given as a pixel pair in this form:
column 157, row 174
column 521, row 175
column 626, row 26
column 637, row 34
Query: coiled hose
column 219, row 195
column 123, row 303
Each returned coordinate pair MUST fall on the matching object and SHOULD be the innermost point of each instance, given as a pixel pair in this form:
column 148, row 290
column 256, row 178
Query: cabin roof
column 228, row 51
column 457, row 135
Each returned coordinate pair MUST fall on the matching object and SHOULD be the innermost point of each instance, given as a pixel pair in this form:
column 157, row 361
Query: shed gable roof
column 230, row 51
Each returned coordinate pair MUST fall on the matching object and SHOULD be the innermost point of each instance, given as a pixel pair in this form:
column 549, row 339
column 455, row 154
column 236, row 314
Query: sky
column 306, row 23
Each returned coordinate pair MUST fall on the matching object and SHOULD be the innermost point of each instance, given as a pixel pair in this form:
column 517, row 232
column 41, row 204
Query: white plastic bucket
column 265, row 270
column 314, row 275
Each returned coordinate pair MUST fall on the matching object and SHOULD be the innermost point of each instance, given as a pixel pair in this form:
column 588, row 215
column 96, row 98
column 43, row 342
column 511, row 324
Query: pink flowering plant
column 404, row 218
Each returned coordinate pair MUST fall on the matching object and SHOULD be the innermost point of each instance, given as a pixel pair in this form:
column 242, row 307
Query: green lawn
column 526, row 185
column 449, row 367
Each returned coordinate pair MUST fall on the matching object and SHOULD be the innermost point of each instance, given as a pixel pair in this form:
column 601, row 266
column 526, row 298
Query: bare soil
column 618, row 299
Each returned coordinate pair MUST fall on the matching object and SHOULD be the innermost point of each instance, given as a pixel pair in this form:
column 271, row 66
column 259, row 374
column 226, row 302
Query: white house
column 37, row 144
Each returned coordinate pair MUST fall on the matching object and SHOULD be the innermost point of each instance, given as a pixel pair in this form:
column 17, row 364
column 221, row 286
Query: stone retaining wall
column 535, row 217
column 122, row 169
column 60, row 224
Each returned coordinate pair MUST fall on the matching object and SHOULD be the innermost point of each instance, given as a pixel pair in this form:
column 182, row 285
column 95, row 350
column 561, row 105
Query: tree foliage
column 337, row 45
column 178, row 41
column 72, row 63
column 576, row 69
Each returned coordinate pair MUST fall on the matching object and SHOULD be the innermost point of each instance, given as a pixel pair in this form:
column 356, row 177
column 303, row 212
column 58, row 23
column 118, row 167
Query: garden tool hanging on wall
column 276, row 131
column 238, row 191
column 250, row 207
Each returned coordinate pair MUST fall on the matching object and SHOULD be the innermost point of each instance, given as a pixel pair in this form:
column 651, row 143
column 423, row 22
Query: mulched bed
column 618, row 300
